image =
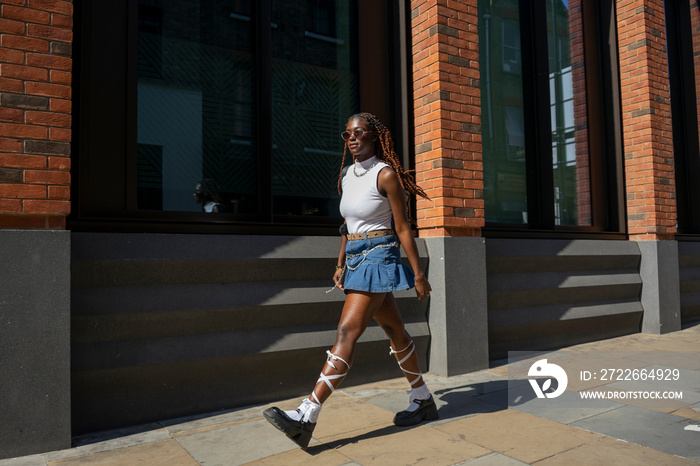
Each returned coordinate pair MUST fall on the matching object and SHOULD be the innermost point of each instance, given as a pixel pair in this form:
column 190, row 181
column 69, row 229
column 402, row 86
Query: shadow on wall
column 545, row 294
column 172, row 325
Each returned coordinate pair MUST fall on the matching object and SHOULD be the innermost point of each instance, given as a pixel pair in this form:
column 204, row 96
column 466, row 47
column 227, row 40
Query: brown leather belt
column 369, row 235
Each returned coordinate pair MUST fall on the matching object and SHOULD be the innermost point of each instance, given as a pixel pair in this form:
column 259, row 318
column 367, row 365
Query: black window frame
column 604, row 126
column 105, row 104
column 684, row 107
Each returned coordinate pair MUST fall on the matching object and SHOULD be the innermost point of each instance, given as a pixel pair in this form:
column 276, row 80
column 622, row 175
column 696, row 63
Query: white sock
column 294, row 414
column 307, row 411
column 420, row 393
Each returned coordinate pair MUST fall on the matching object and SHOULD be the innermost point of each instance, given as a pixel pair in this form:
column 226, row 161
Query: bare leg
column 358, row 311
column 389, row 318
column 299, row 424
column 421, row 404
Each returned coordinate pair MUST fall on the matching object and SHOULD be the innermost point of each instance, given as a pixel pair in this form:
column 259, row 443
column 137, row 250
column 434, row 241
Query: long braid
column 342, row 166
column 387, row 154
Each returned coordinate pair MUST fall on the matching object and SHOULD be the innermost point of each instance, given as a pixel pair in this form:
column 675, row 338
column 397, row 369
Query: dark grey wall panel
column 545, row 294
column 171, row 325
column 689, row 266
column 34, row 342
column 458, row 315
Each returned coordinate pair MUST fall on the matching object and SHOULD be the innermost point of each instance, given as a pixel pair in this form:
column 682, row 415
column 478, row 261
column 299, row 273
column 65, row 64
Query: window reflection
column 503, row 134
column 567, row 86
column 503, row 117
column 195, row 103
column 314, row 90
column 197, row 97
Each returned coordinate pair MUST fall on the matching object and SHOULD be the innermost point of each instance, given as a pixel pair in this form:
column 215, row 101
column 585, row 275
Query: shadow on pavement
column 454, row 403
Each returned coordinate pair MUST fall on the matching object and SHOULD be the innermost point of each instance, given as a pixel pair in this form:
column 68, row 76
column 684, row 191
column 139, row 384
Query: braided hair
column 386, row 154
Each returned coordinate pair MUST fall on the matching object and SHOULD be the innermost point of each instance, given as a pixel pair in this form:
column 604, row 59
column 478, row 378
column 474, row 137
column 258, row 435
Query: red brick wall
column 35, row 112
column 646, row 114
column 447, row 111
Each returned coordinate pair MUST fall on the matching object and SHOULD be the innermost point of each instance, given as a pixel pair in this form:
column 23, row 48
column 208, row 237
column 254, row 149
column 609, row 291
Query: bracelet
column 337, row 267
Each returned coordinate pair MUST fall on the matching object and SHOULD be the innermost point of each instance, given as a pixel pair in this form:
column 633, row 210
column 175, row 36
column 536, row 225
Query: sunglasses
column 358, row 133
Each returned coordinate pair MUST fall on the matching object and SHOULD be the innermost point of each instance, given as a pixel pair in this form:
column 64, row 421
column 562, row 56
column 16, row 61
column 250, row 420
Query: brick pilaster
column 447, row 106
column 646, row 114
column 35, row 112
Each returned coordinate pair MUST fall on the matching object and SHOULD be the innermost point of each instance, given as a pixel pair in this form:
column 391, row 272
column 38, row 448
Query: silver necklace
column 354, row 169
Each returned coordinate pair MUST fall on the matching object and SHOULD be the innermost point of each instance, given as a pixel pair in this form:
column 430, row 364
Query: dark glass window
column 683, row 37
column 569, row 116
column 322, row 16
column 545, row 76
column 195, row 115
column 199, row 110
column 185, row 104
column 314, row 90
column 503, row 120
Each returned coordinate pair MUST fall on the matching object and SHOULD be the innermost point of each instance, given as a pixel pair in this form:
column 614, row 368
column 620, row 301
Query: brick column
column 447, row 106
column 449, row 168
column 35, row 112
column 646, row 114
column 649, row 169
column 35, row 135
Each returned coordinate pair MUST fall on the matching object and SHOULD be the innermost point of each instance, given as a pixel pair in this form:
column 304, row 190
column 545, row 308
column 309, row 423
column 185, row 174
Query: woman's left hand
column 423, row 288
column 339, row 278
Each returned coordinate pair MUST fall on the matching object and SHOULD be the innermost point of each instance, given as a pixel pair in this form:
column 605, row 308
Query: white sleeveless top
column 361, row 204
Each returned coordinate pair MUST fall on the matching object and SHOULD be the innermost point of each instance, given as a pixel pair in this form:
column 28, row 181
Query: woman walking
column 374, row 204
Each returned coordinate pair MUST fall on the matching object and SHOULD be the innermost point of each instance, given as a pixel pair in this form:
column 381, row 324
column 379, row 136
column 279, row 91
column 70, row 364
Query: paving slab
column 393, row 445
column 451, row 405
column 32, row 460
column 342, row 414
column 471, row 380
column 662, row 405
column 212, row 419
column 674, row 359
column 160, row 453
column 298, row 457
column 659, row 431
column 566, row 408
column 519, row 435
column 607, row 450
column 633, row 342
column 112, row 440
column 472, row 388
column 497, row 398
column 493, row 459
column 691, row 412
column 687, row 379
column 236, row 445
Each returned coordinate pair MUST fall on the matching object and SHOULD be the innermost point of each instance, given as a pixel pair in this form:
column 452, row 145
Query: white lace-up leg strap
column 405, row 358
column 327, row 378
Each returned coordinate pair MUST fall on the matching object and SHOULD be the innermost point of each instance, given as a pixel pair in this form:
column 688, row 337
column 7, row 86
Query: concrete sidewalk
column 479, row 425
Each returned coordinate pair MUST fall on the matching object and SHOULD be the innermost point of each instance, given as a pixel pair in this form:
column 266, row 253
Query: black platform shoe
column 427, row 411
column 299, row 432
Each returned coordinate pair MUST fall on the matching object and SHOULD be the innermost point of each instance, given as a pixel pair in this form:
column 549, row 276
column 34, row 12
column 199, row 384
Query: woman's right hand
column 338, row 278
column 423, row 287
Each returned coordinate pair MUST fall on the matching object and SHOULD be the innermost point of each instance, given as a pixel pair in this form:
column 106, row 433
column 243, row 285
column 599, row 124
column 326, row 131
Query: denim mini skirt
column 374, row 265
